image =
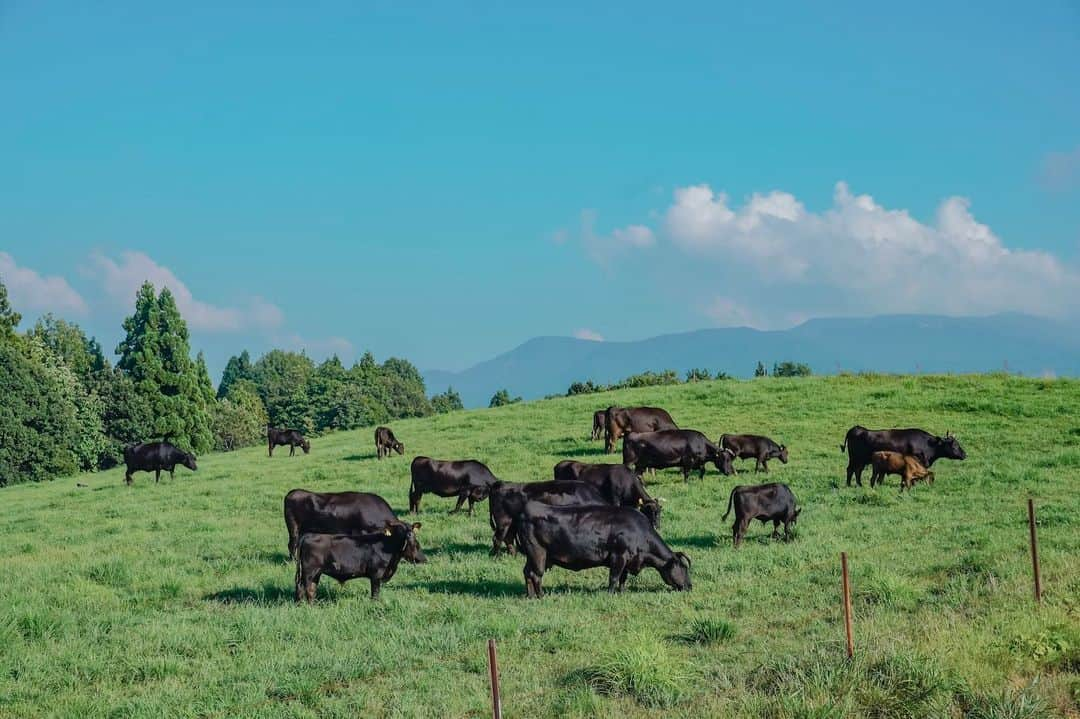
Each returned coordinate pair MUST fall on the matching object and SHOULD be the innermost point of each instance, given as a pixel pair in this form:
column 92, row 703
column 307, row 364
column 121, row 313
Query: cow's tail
column 517, row 528
column 730, row 503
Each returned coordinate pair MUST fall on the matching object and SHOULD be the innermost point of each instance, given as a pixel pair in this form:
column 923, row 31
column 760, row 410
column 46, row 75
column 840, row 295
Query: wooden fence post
column 1034, row 552
column 847, row 604
column 493, row 666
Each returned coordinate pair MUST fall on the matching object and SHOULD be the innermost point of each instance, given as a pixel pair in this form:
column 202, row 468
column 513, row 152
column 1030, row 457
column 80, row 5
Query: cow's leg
column 850, row 471
column 172, row 472
column 127, row 477
column 270, row 449
column 533, row 576
column 414, row 500
column 618, row 569
column 787, row 530
column 740, row 530
column 312, row 588
column 157, row 476
column 292, row 450
column 765, row 465
column 460, row 502
column 776, row 529
column 858, row 474
column 375, row 584
column 471, row 503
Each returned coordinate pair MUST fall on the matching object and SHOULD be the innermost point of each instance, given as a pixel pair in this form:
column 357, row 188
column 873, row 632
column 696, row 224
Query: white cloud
column 858, row 257
column 121, row 280
column 602, row 249
column 1060, row 170
column 318, row 347
column 586, row 334
column 30, row 291
column 726, row 312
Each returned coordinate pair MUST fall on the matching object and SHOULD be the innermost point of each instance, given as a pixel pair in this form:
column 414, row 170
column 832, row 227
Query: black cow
column 291, row 437
column 579, row 538
column 385, row 441
column 619, row 421
column 598, row 423
column 754, row 446
column 348, row 556
column 618, row 484
column 508, row 500
column 767, row 502
column 154, row 457
column 464, row 479
column 686, row 449
column 334, row 513
column 861, row 443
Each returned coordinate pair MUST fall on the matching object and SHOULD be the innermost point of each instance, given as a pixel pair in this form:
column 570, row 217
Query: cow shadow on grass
column 268, row 593
column 360, row 457
column 458, row 548
column 579, row 448
column 476, row 588
column 700, row 541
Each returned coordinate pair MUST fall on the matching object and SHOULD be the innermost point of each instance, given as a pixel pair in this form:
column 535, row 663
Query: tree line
column 66, row 408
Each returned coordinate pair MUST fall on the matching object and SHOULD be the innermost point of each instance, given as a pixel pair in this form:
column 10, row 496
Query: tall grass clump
column 827, row 685
column 706, row 630
column 644, row 670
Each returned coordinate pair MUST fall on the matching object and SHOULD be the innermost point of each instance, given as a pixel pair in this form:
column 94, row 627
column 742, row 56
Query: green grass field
column 177, row 599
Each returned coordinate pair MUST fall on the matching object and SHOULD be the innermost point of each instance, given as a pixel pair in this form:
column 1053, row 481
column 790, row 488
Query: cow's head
column 676, row 573
column 306, row 446
column 948, row 447
column 399, row 447
column 782, row 455
column 406, row 534
column 795, row 516
column 189, row 461
column 724, row 461
column 651, row 509
column 480, row 492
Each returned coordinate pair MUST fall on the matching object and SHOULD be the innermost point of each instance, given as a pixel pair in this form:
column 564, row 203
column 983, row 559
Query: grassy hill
column 176, row 599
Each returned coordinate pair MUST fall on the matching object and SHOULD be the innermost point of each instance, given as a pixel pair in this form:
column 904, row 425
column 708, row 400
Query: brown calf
column 908, row 468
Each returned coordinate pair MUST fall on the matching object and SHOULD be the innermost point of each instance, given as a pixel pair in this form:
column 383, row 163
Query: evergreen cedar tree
column 66, row 409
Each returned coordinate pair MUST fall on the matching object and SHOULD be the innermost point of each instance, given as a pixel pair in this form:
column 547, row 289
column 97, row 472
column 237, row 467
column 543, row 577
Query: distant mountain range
column 893, row 343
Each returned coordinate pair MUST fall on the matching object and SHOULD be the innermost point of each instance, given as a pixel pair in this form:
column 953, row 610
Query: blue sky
column 444, row 181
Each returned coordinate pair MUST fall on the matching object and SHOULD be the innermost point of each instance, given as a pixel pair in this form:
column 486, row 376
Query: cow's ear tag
column 387, row 532
column 640, row 501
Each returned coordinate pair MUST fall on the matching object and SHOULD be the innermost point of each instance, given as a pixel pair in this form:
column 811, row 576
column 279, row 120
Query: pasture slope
column 177, row 599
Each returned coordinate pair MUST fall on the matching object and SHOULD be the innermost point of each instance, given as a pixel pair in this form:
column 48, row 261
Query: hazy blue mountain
column 894, row 343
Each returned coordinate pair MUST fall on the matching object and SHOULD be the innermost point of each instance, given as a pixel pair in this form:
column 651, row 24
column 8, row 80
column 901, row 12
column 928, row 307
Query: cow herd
column 586, row 516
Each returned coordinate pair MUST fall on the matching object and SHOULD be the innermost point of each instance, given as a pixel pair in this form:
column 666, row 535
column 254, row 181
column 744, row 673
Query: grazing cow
column 767, row 502
column 464, row 479
column 154, row 457
column 385, row 441
column 754, row 446
column 598, row 423
column 334, row 513
column 687, row 449
column 909, row 469
column 508, row 500
column 861, row 443
column 348, row 556
column 291, row 437
column 568, row 470
column 619, row 421
column 577, row 538
column 618, row 484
